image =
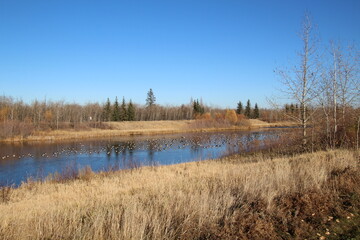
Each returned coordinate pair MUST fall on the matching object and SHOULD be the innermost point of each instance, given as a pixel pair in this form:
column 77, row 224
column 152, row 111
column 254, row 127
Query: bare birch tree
column 301, row 82
column 340, row 91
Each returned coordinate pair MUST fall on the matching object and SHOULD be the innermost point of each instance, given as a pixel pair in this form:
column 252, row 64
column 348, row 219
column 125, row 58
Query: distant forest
column 20, row 118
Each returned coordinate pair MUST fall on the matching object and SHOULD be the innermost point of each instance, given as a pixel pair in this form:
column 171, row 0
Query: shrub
column 231, row 116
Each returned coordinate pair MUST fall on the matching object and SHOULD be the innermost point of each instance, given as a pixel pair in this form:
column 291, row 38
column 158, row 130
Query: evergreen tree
column 150, row 100
column 106, row 115
column 131, row 112
column 198, row 109
column 287, row 108
column 239, row 108
column 248, row 109
column 292, row 108
column 256, row 113
column 116, row 111
column 123, row 116
column 195, row 107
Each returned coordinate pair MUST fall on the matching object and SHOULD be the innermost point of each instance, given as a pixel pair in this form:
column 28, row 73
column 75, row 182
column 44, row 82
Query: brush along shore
column 254, row 197
column 115, row 129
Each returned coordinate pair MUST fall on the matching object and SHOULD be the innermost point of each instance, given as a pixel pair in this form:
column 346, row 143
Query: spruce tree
column 287, row 108
column 292, row 108
column 116, row 111
column 248, row 109
column 197, row 108
column 239, row 108
column 256, row 113
column 123, row 116
column 150, row 100
column 131, row 112
column 106, row 115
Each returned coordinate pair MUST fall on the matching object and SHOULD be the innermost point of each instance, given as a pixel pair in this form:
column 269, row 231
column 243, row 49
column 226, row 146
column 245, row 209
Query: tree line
column 149, row 112
column 20, row 118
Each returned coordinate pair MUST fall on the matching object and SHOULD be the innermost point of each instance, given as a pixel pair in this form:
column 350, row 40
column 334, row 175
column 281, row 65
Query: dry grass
column 252, row 197
column 150, row 125
column 260, row 123
column 113, row 129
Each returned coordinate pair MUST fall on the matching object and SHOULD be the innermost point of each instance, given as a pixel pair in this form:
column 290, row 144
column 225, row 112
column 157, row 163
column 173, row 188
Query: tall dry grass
column 236, row 197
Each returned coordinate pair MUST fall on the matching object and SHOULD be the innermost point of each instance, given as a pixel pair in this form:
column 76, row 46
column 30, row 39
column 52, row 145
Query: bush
column 231, row 116
column 205, row 116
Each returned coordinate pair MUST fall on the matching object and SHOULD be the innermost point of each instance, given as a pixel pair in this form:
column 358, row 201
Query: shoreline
column 148, row 128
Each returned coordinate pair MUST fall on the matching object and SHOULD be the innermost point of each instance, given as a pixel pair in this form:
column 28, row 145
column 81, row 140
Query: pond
column 21, row 161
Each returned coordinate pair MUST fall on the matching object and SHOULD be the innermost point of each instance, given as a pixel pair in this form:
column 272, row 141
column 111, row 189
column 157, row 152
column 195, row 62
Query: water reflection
column 151, row 148
column 20, row 161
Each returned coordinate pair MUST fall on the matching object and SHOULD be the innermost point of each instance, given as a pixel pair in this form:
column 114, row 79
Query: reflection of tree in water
column 151, row 148
column 131, row 147
column 123, row 151
column 252, row 141
column 122, row 148
column 108, row 150
column 231, row 143
column 117, row 150
column 195, row 143
column 127, row 149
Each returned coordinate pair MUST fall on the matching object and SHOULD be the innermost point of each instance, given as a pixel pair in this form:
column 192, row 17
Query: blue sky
column 221, row 51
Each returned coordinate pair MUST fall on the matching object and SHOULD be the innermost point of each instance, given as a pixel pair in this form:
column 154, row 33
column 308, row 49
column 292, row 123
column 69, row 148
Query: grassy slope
column 246, row 198
column 141, row 128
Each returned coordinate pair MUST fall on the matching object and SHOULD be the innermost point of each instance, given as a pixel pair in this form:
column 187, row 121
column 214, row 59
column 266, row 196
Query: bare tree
column 325, row 101
column 340, row 91
column 301, row 82
column 349, row 82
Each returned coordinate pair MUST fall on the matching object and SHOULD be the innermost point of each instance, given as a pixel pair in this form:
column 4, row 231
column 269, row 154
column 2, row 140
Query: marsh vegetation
column 253, row 197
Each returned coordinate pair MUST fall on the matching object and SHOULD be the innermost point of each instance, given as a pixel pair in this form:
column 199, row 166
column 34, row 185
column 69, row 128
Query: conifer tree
column 123, row 116
column 131, row 112
column 116, row 111
column 106, row 115
column 239, row 108
column 292, row 108
column 197, row 108
column 150, row 105
column 256, row 113
column 287, row 108
column 248, row 109
column 150, row 100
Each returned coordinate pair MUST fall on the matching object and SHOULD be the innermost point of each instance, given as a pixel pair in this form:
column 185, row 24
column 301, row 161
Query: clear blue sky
column 221, row 51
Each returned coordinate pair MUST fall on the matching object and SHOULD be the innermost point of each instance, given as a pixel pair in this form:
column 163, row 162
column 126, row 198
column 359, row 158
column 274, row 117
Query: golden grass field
column 141, row 128
column 253, row 197
column 116, row 129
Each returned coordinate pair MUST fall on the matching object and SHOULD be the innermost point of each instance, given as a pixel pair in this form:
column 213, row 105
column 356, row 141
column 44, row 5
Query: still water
column 20, row 161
